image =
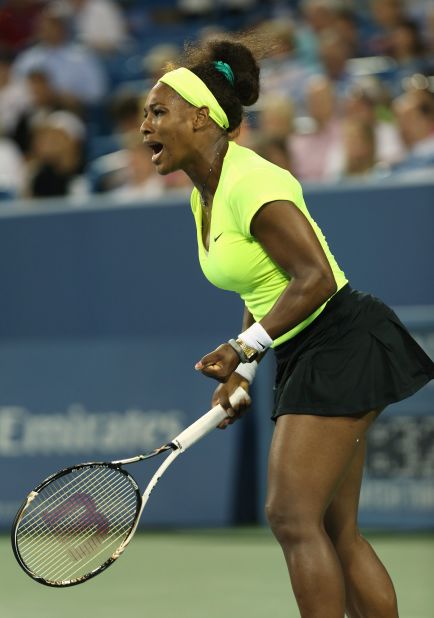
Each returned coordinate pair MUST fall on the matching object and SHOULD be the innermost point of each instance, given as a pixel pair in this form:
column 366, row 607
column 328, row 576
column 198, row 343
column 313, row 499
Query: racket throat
column 175, row 445
column 157, row 451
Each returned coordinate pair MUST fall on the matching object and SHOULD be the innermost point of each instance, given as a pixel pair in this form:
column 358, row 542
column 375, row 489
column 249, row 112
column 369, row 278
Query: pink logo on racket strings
column 63, row 524
column 61, row 519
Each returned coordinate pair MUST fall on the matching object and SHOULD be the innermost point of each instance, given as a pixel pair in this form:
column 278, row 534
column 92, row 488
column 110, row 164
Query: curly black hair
column 240, row 57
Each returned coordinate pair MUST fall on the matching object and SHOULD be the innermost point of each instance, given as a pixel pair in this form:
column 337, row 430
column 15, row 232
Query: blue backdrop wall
column 104, row 312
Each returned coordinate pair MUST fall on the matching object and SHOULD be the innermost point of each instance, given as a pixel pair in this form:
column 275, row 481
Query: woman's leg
column 369, row 589
column 309, row 458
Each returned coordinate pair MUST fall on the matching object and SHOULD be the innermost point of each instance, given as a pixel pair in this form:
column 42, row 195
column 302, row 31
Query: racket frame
column 189, row 436
column 35, row 492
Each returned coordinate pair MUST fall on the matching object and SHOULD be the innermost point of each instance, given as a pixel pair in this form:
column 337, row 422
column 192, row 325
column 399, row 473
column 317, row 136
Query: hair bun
column 243, row 65
column 229, row 68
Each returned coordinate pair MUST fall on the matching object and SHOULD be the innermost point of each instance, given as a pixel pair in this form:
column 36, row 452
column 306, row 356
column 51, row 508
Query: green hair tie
column 224, row 68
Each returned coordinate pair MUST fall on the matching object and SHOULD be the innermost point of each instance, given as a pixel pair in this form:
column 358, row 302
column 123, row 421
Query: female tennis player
column 342, row 356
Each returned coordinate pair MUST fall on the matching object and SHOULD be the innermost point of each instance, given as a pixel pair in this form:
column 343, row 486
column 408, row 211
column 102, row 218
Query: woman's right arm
column 224, row 391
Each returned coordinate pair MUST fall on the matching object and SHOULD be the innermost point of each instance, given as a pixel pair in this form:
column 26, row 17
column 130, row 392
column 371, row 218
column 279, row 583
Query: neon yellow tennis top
column 236, row 261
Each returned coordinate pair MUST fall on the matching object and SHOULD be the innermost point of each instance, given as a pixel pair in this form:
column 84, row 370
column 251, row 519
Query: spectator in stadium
column 316, row 147
column 407, row 45
column 125, row 110
column 415, row 115
column 274, row 127
column 342, row 355
column 386, row 15
column 44, row 100
column 334, row 53
column 14, row 95
column 124, row 107
column 74, row 71
column 430, row 32
column 211, row 32
column 98, row 24
column 317, row 17
column 408, row 49
column 283, row 73
column 156, row 60
column 275, row 117
column 193, row 9
column 18, row 23
column 56, row 163
column 346, row 27
column 368, row 101
column 138, row 178
column 11, row 169
column 359, row 155
column 177, row 183
column 271, row 148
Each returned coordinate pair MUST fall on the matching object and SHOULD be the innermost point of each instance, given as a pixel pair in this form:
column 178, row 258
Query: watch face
column 250, row 353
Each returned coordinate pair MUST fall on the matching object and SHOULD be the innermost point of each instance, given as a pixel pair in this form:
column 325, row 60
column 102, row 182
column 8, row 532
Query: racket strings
column 41, row 503
column 78, row 552
column 104, row 545
column 86, row 487
column 34, row 512
column 84, row 536
column 55, row 561
column 90, row 518
column 64, row 525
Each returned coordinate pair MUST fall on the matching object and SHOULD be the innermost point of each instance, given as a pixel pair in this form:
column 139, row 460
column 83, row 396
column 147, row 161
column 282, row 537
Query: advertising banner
column 70, row 402
column 104, row 312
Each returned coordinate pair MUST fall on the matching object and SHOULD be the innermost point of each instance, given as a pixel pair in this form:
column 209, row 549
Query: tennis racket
column 78, row 521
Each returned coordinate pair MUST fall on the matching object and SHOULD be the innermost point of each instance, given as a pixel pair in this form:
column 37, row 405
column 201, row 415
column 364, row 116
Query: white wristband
column 247, row 370
column 256, row 337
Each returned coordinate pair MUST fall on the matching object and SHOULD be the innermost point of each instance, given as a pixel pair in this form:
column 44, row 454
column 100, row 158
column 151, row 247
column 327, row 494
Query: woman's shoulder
column 249, row 170
column 246, row 158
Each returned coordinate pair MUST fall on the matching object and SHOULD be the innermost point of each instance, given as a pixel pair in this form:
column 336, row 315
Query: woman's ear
column 201, row 118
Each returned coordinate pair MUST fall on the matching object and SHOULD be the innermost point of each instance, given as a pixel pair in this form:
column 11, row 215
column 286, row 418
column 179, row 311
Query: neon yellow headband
column 194, row 91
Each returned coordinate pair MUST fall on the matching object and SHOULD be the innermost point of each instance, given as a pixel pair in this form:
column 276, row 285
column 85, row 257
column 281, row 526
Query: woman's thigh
column 341, row 516
column 310, row 457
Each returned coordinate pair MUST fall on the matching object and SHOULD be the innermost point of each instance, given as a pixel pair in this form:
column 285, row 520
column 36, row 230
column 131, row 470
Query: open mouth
column 157, row 149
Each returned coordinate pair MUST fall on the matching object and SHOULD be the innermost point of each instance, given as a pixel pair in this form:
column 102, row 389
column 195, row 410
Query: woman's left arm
column 289, row 239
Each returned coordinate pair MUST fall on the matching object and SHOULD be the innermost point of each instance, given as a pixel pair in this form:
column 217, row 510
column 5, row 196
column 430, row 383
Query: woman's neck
column 205, row 171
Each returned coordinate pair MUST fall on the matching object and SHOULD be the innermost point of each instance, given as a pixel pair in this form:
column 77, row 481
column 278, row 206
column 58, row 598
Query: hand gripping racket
column 78, row 521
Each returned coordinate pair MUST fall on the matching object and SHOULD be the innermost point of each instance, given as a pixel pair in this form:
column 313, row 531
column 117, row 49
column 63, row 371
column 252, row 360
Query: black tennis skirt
column 356, row 356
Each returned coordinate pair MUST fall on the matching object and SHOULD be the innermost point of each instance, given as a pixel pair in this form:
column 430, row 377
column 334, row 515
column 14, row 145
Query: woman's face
column 168, row 129
column 404, row 41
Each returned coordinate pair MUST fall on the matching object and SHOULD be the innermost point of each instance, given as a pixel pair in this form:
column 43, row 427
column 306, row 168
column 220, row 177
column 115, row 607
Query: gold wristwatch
column 244, row 351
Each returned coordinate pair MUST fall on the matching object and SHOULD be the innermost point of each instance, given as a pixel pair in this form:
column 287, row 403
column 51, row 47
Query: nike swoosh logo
column 217, row 237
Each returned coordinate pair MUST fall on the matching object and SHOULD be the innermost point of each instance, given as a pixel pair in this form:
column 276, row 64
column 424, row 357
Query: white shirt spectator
column 97, row 23
column 317, row 156
column 389, row 146
column 152, row 188
column 419, row 162
column 11, row 168
column 15, row 99
column 72, row 69
column 389, row 150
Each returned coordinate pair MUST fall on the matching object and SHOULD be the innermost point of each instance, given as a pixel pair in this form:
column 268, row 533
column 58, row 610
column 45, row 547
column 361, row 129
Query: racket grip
column 208, row 421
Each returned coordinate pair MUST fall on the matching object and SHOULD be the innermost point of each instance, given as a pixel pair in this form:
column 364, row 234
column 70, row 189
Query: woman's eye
column 153, row 112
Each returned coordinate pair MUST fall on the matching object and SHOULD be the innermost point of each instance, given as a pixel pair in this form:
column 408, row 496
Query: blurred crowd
column 347, row 89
